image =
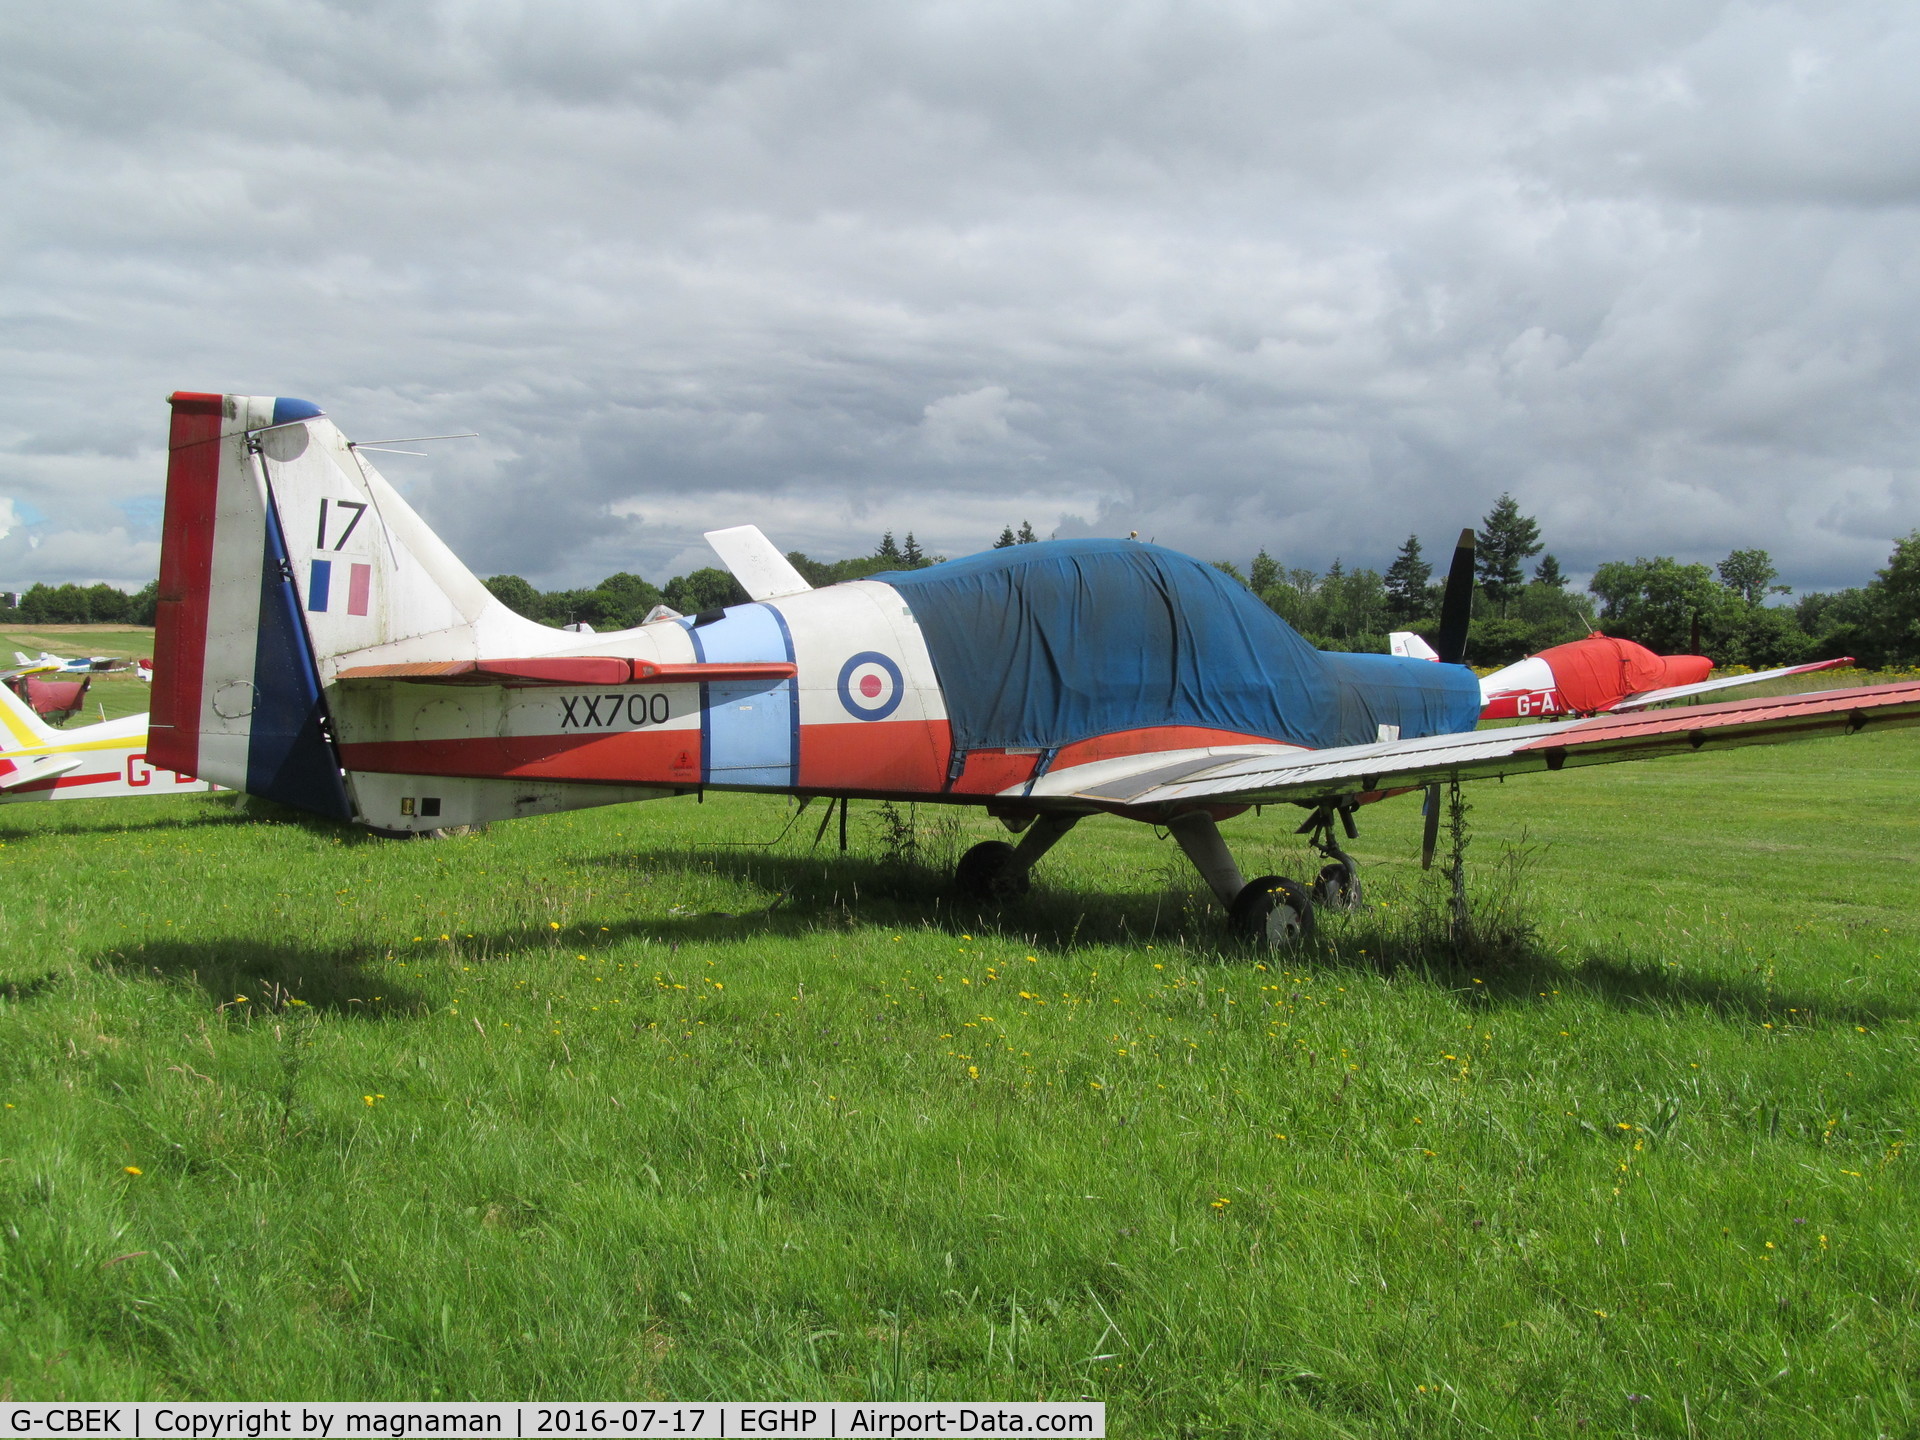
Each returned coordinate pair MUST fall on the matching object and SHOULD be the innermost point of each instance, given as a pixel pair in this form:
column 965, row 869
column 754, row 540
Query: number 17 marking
column 358, row 507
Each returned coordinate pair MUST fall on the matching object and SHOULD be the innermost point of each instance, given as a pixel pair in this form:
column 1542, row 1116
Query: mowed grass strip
column 633, row 1102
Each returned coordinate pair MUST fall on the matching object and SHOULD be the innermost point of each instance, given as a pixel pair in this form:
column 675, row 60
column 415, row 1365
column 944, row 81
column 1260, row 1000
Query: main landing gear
column 1271, row 912
column 994, row 872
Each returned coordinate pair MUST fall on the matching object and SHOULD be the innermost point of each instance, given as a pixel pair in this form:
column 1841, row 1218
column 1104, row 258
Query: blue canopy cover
column 1046, row 644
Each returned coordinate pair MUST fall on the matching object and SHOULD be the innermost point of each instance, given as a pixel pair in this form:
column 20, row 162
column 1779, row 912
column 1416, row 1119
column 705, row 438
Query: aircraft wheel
column 1337, row 888
column 1272, row 912
column 989, row 874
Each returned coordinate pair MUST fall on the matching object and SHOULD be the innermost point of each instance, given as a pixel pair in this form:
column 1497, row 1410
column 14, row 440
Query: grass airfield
column 113, row 694
column 646, row 1101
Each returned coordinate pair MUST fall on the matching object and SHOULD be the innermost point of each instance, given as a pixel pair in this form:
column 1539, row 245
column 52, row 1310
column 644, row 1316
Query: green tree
column 1026, row 535
column 831, row 572
column 911, row 556
column 107, row 604
column 619, row 602
column 1407, row 584
column 1507, row 540
column 516, row 594
column 1657, row 602
column 708, row 589
column 1227, row 567
column 1551, row 614
column 142, row 604
column 1006, row 540
column 1899, row 586
column 1548, row 573
column 1264, row 573
column 888, row 549
column 1750, row 575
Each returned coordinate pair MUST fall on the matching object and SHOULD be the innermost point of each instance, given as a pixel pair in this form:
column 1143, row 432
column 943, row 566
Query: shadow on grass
column 811, row 894
column 73, row 819
column 272, row 974
column 816, row 892
column 18, row 991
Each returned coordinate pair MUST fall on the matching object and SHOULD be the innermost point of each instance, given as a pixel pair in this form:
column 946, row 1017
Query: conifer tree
column 1407, row 579
column 910, row 554
column 1263, row 574
column 1507, row 540
column 1548, row 573
column 888, row 550
column 1006, row 538
column 1027, row 537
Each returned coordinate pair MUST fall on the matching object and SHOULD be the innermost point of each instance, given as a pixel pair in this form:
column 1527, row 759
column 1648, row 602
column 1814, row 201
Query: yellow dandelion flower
column 135, row 1169
column 553, row 924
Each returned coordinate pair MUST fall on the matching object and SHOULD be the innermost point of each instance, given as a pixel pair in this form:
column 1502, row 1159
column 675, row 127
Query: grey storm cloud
column 1303, row 276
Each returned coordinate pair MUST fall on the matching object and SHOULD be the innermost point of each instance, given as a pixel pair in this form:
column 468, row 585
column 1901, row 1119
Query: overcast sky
column 1306, row 276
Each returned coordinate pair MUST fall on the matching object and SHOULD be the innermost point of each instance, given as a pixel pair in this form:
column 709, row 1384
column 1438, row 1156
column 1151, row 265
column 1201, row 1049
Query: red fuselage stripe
column 629, row 757
column 186, row 569
column 905, row 757
column 66, row 782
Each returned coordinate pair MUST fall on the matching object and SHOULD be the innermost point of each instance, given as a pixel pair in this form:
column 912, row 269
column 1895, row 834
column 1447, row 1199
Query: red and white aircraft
column 1597, row 675
column 319, row 646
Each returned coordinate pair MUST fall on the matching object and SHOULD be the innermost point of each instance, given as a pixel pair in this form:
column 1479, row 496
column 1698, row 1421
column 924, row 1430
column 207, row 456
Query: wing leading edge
column 1331, row 776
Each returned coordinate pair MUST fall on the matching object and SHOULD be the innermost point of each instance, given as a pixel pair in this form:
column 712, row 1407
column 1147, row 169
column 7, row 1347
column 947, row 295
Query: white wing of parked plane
column 1262, row 774
column 1725, row 682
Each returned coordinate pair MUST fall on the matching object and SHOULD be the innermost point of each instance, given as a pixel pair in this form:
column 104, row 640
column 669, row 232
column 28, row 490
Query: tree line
column 1724, row 610
column 84, row 605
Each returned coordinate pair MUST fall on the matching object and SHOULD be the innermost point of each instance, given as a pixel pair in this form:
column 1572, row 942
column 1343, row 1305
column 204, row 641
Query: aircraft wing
column 1270, row 774
column 1725, row 682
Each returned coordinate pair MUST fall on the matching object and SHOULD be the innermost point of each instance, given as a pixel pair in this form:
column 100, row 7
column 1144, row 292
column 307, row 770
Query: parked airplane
column 319, row 646
column 93, row 762
column 74, row 665
column 1600, row 674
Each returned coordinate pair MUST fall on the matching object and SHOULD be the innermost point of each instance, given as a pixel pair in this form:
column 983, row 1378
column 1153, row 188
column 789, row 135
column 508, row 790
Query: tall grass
column 632, row 1102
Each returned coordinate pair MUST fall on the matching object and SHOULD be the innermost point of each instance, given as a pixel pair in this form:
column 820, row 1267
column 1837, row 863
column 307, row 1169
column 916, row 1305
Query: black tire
column 1337, row 887
column 1273, row 912
column 989, row 875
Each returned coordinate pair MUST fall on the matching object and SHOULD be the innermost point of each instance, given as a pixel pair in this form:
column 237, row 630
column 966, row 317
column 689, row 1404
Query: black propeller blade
column 1430, row 831
column 1456, row 614
column 1456, row 605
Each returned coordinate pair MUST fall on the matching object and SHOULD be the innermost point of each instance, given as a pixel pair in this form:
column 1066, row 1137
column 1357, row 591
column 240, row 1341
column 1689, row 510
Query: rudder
column 237, row 696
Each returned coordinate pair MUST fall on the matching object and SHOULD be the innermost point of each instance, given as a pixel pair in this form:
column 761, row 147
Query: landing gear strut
column 1337, row 887
column 1272, row 912
column 994, row 872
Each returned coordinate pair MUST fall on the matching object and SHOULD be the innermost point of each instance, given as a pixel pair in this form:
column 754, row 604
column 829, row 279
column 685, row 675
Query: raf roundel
column 870, row 685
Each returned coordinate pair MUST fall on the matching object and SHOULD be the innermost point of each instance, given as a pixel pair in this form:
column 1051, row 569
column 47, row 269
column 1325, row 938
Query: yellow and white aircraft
column 101, row 761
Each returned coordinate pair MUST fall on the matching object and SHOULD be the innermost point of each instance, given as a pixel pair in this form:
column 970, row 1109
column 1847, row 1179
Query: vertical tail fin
column 236, row 694
column 283, row 550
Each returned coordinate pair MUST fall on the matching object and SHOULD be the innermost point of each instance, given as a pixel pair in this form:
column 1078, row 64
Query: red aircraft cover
column 1598, row 671
column 55, row 700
